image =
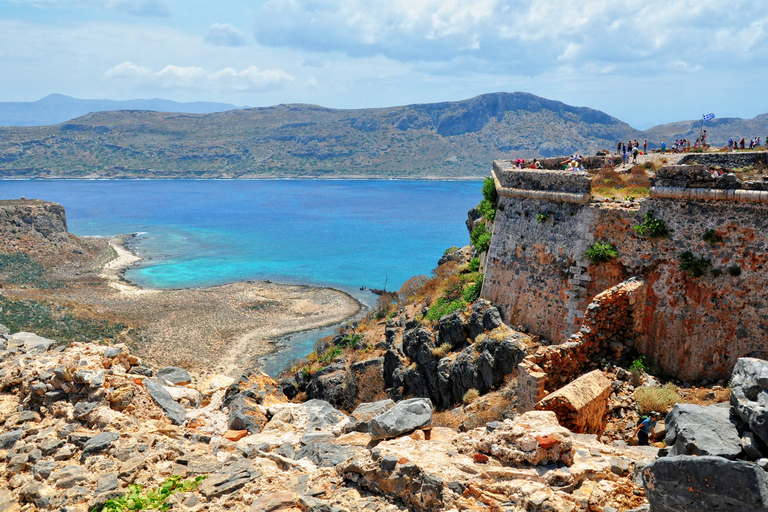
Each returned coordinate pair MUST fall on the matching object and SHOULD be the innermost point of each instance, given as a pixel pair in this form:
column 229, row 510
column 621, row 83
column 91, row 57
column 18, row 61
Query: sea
column 351, row 235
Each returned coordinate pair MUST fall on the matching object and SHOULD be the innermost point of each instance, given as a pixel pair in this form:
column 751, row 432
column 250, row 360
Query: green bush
column 450, row 250
column 734, row 270
column 638, row 365
column 712, row 237
column 490, row 201
column 138, row 498
column 542, row 217
column 693, row 265
column 601, row 252
column 472, row 292
column 652, row 227
column 443, row 307
column 474, row 265
column 480, row 238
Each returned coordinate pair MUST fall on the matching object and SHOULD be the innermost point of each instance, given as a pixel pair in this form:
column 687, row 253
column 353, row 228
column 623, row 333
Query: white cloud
column 143, row 8
column 192, row 77
column 224, row 34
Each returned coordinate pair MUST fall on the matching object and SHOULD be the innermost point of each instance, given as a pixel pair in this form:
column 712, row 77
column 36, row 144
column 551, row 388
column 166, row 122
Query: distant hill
column 57, row 108
column 718, row 130
column 449, row 139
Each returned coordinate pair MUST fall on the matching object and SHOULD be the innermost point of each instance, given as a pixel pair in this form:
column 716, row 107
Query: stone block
column 580, row 406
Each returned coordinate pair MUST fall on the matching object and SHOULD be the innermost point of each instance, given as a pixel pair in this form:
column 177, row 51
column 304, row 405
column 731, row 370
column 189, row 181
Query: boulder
column 414, row 383
column 325, row 455
column 697, row 430
column 170, row 407
column 508, row 354
column 691, row 484
column 257, row 385
column 244, row 414
column 749, row 394
column 580, row 405
column 321, row 416
column 32, row 343
column 404, row 417
column 328, row 387
column 99, row 443
column 358, row 420
column 392, row 363
column 174, row 375
column 451, row 330
column 418, row 345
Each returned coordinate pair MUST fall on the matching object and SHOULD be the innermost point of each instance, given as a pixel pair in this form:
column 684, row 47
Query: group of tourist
column 520, row 163
column 734, row 144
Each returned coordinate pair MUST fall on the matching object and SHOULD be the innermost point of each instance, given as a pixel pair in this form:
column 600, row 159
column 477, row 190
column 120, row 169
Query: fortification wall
column 693, row 327
column 733, row 160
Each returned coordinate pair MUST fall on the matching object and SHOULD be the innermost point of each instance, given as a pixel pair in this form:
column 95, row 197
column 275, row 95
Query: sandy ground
column 216, row 330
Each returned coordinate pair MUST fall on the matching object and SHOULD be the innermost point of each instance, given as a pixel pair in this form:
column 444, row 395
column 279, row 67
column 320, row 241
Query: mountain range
column 448, row 139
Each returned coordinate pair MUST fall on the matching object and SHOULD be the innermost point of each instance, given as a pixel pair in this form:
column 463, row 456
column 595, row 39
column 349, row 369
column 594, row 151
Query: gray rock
column 290, row 387
column 79, row 438
column 325, row 455
column 131, row 468
column 321, row 415
column 451, row 330
column 751, row 447
column 99, row 443
column 317, row 437
column 69, row 476
column 32, row 343
column 83, row 409
column 508, row 354
column 696, row 430
column 17, row 464
column 26, row 416
column 170, row 407
column 43, row 469
column 693, row 484
column 244, row 414
column 358, row 420
column 9, row 439
column 286, row 450
column 229, row 478
column 328, row 387
column 63, row 453
column 174, row 375
column 491, row 318
column 414, row 383
column 146, row 371
column 92, row 378
column 113, row 352
column 418, row 345
column 749, row 394
column 404, row 417
column 392, row 363
column 4, row 331
column 106, row 482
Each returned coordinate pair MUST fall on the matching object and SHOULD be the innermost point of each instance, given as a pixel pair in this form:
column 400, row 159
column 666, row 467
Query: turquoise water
column 346, row 234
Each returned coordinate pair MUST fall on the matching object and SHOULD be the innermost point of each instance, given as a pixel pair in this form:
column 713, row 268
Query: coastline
column 289, row 310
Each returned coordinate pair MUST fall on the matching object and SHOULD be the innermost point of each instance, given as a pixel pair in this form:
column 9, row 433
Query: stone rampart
column 734, row 160
column 537, row 273
column 510, row 177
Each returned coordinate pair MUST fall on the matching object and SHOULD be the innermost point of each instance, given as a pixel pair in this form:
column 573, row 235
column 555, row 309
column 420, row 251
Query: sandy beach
column 216, row 330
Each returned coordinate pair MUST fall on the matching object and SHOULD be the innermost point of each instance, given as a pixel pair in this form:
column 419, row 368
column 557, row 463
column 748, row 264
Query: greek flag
column 707, row 117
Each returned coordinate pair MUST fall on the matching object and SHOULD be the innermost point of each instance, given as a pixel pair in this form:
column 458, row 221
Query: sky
column 646, row 63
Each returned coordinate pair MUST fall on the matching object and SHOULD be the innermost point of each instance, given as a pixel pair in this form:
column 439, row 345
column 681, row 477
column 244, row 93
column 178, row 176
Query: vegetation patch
column 542, row 217
column 734, row 270
column 657, row 398
column 694, row 266
column 20, row 268
column 138, row 498
column 61, row 324
column 488, row 205
column 443, row 306
column 470, row 396
column 480, row 238
column 652, row 227
column 601, row 252
column 474, row 265
column 711, row 237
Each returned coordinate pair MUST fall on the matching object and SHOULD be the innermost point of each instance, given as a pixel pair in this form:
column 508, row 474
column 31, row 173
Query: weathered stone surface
column 358, row 420
column 174, row 375
column 325, row 455
column 749, row 394
column 404, row 417
column 321, row 415
column 244, row 414
column 69, row 476
column 276, row 500
column 32, row 343
column 8, row 439
column 113, row 352
column 99, row 443
column 696, row 430
column 130, row 468
column 451, row 330
column 580, row 406
column 43, row 469
column 694, row 484
column 258, row 386
column 106, row 482
column 229, row 478
column 172, row 409
column 328, row 387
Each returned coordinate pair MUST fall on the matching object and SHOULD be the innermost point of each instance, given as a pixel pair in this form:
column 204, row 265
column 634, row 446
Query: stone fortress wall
column 537, row 273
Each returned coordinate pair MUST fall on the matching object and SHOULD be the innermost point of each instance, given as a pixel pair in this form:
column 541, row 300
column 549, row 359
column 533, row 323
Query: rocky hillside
column 449, row 139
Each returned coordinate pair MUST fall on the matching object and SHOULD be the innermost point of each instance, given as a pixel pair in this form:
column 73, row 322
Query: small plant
column 712, row 237
column 470, row 396
column 629, row 198
column 474, row 265
column 442, row 351
column 480, row 238
column 716, row 272
column 656, row 399
column 734, row 270
column 638, row 365
column 488, row 205
column 450, row 250
column 331, row 354
column 601, row 252
column 138, row 498
column 542, row 217
column 444, row 307
column 696, row 267
column 472, row 292
column 652, row 227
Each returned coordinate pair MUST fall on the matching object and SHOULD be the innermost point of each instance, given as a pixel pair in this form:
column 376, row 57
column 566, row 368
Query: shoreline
column 265, row 340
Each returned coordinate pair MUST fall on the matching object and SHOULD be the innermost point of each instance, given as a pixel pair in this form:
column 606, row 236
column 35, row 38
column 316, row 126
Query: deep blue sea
column 346, row 234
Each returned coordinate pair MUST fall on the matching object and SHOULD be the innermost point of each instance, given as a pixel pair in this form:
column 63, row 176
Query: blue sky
column 646, row 63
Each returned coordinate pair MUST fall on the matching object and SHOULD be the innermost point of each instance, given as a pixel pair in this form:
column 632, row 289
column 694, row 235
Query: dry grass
column 470, row 396
column 609, row 184
column 657, row 399
column 370, row 387
column 442, row 351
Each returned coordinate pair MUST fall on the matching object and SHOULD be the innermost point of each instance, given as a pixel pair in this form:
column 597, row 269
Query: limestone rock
column 581, row 405
column 325, row 455
column 244, row 414
column 749, row 394
column 404, row 417
column 174, row 375
column 99, row 443
column 686, row 484
column 696, row 430
column 172, row 409
column 358, row 420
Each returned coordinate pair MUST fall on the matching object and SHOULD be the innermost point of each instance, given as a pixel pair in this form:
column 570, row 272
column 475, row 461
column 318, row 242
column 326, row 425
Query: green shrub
column 656, row 399
column 542, row 217
column 138, row 498
column 20, row 268
column 601, row 252
column 716, row 272
column 450, row 250
column 443, row 307
column 480, row 238
column 331, row 354
column 490, row 201
column 638, row 365
column 472, row 292
column 693, row 265
column 474, row 265
column 734, row 270
column 652, row 227
column 712, row 237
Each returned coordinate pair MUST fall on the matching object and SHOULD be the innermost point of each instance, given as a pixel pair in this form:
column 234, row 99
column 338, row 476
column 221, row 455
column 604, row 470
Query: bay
column 345, row 234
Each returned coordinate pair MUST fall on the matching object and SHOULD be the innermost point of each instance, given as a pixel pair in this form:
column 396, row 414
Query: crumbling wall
column 537, row 274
